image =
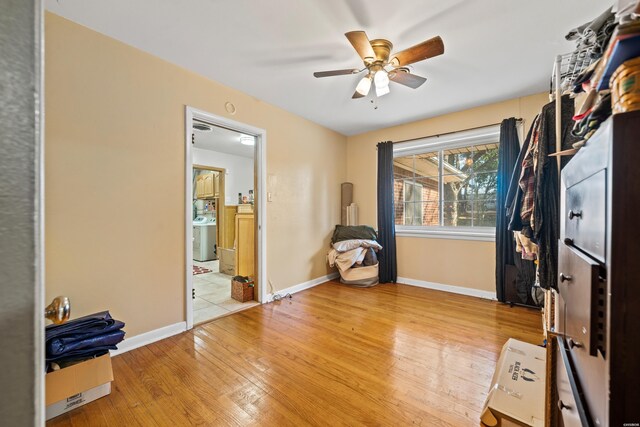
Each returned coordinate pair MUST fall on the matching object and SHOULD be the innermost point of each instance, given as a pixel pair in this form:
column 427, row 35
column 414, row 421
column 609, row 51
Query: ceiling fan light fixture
column 364, row 86
column 376, row 56
column 247, row 140
column 382, row 90
column 381, row 79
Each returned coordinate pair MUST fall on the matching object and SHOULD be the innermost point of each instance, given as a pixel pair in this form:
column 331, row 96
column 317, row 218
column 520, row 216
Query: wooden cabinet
column 208, row 185
column 229, row 227
column 245, row 245
column 598, row 271
column 200, row 187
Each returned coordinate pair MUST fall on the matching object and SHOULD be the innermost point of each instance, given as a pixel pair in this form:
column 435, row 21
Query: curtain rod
column 519, row 119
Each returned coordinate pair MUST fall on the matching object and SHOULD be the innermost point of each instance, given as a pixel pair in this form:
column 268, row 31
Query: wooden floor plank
column 342, row 366
column 331, row 355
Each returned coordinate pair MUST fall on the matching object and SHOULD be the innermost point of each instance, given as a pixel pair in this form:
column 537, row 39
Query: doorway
column 225, row 216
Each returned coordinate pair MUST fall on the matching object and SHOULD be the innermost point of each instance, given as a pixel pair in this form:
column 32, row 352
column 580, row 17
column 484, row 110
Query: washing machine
column 204, row 239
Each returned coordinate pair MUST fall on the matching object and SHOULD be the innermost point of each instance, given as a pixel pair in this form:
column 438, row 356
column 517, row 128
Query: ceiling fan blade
column 319, row 74
column 357, row 95
column 361, row 44
column 427, row 49
column 407, row 79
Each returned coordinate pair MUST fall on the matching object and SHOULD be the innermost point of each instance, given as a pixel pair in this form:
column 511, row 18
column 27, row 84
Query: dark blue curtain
column 388, row 270
column 505, row 245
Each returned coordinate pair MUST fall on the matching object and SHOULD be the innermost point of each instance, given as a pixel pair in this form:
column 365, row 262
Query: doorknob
column 562, row 405
column 565, row 277
column 575, row 214
column 59, row 310
column 573, row 344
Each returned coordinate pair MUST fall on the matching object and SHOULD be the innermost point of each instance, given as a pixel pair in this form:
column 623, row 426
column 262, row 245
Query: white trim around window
column 483, row 234
column 484, row 135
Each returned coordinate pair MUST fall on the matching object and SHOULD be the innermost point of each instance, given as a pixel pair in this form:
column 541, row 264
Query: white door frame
column 261, row 198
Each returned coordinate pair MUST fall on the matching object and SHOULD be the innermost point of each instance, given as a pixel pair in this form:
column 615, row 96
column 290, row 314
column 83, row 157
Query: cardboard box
column 77, row 385
column 517, row 393
column 228, row 261
column 245, row 208
column 77, row 400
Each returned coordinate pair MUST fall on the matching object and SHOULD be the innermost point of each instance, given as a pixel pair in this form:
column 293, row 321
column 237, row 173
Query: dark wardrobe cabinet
column 598, row 356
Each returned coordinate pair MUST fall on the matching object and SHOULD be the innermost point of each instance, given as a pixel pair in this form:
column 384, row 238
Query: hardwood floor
column 332, row 355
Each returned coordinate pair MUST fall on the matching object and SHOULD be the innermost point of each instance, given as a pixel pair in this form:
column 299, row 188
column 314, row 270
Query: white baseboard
column 302, row 286
column 448, row 288
column 149, row 337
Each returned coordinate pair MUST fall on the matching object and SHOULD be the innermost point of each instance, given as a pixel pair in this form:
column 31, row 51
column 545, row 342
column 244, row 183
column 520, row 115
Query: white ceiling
column 494, row 49
column 223, row 141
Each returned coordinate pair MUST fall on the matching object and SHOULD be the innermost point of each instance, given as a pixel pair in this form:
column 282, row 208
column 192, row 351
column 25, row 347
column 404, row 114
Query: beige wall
column 115, row 178
column 427, row 259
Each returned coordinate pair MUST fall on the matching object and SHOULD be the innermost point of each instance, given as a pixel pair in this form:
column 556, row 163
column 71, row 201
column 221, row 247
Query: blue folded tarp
column 84, row 337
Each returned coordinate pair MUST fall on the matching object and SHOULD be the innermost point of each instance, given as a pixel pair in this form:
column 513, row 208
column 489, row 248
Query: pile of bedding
column 354, row 253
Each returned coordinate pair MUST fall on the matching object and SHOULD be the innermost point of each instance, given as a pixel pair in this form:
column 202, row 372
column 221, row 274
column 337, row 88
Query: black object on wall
column 505, row 245
column 388, row 271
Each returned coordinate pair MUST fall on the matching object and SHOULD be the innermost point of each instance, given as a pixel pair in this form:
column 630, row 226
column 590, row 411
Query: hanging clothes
column 546, row 204
column 527, row 183
column 525, row 270
column 525, row 246
column 514, row 194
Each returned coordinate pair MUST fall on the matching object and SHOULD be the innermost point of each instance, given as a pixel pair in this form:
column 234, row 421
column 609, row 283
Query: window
column 446, row 186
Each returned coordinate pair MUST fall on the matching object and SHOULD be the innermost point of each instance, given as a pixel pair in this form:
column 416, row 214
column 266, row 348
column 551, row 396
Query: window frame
column 440, row 143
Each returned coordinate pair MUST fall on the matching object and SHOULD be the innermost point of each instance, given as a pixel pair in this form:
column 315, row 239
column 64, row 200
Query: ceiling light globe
column 381, row 79
column 382, row 90
column 364, row 86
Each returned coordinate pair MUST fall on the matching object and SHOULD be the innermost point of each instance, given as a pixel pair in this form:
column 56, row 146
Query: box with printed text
column 516, row 396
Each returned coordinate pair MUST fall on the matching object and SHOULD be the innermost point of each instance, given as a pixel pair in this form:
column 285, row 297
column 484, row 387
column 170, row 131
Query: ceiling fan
column 383, row 67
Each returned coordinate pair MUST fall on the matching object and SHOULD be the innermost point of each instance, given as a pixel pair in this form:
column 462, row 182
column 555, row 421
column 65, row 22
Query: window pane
column 484, row 213
column 402, row 172
column 468, row 177
column 457, row 214
column 416, row 187
column 484, row 185
column 431, row 213
column 412, row 203
column 456, row 194
column 457, row 160
column 485, row 158
column 470, row 186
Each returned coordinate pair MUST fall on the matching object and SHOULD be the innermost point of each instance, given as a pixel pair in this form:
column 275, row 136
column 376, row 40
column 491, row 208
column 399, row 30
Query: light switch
column 269, row 198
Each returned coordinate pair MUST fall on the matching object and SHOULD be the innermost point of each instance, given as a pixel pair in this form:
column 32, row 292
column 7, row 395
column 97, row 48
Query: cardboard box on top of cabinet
column 77, row 385
column 516, row 396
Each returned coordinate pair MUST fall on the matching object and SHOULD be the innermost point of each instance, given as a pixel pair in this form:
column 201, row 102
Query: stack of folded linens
column 83, row 338
column 354, row 252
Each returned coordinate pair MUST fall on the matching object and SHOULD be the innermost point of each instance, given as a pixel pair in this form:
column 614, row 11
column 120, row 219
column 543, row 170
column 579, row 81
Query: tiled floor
column 213, row 294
